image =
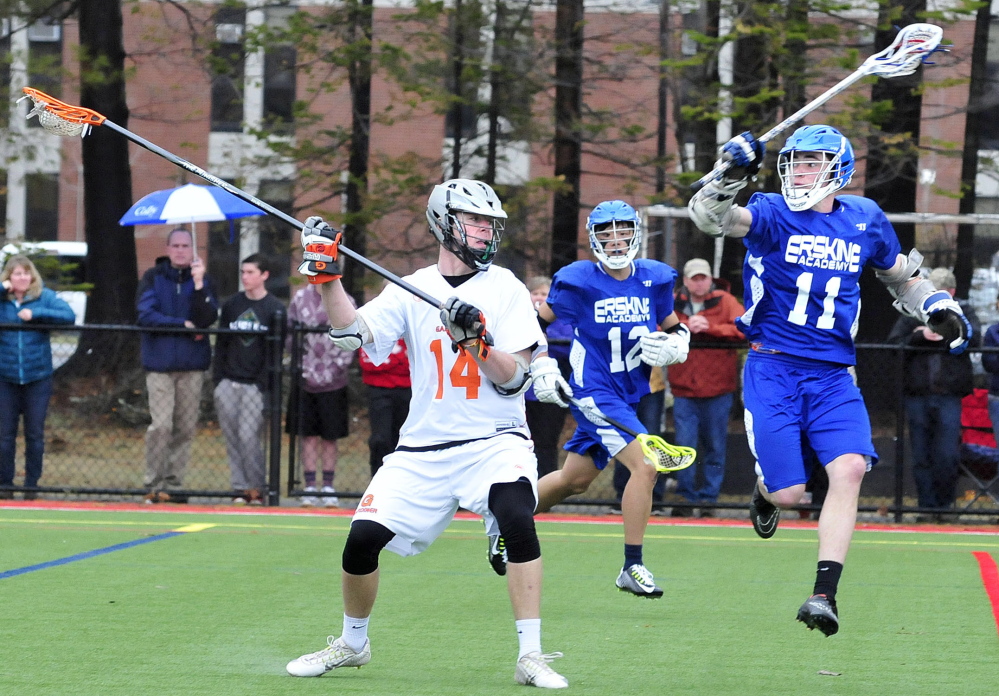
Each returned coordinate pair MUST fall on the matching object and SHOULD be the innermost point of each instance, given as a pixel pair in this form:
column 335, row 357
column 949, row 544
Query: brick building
column 178, row 103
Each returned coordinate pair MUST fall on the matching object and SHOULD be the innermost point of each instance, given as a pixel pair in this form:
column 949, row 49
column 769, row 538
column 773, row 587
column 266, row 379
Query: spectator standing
column 703, row 385
column 241, row 377
column 389, row 393
column 935, row 383
column 25, row 368
column 990, row 361
column 318, row 404
column 546, row 420
column 174, row 293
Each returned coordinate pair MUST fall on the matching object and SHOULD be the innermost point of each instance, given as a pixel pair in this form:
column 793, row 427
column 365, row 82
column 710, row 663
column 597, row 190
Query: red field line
column 990, row 578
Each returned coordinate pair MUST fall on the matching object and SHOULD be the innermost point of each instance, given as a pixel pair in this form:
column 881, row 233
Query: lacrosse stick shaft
column 589, row 409
column 253, row 200
column 871, row 66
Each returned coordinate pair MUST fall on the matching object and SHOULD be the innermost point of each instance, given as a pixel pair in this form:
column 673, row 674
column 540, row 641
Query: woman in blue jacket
column 25, row 367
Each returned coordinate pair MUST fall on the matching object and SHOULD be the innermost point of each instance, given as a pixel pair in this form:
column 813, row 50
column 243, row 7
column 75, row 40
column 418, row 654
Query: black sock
column 632, row 555
column 827, row 578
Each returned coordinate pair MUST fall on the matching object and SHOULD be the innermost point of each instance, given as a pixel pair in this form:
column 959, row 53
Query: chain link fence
column 99, row 415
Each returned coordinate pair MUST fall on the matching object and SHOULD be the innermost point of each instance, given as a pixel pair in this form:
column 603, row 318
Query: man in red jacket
column 703, row 385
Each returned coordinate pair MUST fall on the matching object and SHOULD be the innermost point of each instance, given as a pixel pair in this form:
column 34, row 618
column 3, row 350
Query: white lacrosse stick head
column 912, row 45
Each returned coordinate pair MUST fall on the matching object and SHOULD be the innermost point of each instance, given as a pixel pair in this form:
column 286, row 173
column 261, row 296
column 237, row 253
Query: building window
column 41, row 220
column 5, row 59
column 228, row 63
column 3, row 204
column 279, row 75
column 45, row 59
column 276, row 236
column 223, row 257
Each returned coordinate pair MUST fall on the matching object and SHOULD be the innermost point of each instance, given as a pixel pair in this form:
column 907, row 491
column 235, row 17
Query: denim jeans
column 32, row 401
column 935, row 434
column 702, row 423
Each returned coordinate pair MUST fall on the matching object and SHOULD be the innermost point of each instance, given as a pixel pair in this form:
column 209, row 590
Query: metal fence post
column 899, row 431
column 295, row 369
column 275, row 343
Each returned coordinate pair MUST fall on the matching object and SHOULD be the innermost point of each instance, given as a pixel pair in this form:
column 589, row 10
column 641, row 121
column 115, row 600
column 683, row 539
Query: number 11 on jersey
column 828, row 319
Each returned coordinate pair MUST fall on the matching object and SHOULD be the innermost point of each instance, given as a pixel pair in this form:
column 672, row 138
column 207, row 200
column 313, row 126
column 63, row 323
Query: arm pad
column 713, row 207
column 518, row 384
column 909, row 290
column 352, row 336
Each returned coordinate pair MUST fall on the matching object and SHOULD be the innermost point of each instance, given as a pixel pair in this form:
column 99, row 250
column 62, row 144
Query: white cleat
column 309, row 500
column 638, row 580
column 329, row 497
column 338, row 654
column 533, row 670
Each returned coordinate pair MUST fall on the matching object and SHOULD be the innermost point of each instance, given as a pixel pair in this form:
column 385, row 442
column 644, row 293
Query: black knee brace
column 512, row 504
column 365, row 541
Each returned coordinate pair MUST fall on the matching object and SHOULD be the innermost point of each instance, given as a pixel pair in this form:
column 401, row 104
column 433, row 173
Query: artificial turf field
column 220, row 609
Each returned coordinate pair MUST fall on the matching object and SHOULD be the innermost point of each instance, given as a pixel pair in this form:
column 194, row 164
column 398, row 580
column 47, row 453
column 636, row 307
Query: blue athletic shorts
column 789, row 399
column 595, row 437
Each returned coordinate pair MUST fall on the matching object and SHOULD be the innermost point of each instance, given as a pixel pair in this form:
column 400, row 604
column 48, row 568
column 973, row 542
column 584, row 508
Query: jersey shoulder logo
column 862, row 226
column 647, row 283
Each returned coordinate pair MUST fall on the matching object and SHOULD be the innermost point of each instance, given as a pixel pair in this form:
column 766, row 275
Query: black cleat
column 497, row 554
column 763, row 513
column 820, row 612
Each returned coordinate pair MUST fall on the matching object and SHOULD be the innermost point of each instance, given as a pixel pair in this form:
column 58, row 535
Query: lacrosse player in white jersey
column 465, row 442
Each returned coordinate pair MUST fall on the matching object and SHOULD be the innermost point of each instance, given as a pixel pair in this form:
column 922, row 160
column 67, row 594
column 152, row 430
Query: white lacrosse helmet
column 465, row 196
column 614, row 216
column 836, row 172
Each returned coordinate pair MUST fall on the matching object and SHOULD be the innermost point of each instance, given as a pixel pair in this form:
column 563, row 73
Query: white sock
column 529, row 635
column 355, row 632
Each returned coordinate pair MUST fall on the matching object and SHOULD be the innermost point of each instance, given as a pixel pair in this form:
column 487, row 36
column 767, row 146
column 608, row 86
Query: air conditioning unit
column 42, row 30
column 229, row 33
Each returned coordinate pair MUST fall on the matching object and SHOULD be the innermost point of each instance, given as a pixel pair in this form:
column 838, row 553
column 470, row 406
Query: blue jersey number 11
column 798, row 316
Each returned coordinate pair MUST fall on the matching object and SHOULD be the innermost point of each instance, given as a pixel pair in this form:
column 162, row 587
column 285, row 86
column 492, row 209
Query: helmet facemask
column 604, row 234
column 457, row 240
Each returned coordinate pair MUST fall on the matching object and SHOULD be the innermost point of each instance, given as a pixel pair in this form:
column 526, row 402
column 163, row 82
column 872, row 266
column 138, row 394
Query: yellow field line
column 794, row 536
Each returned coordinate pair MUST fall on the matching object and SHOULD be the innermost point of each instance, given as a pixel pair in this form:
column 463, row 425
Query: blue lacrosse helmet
column 836, row 171
column 614, row 221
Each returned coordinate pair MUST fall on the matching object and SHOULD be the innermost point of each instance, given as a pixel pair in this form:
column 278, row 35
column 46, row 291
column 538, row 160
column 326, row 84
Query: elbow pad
column 713, row 207
column 911, row 297
column 352, row 336
column 518, row 384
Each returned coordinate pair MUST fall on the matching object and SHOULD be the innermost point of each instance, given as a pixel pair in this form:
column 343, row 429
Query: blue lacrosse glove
column 744, row 153
column 944, row 316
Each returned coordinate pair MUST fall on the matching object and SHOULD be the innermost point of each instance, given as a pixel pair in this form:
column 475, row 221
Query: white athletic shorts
column 415, row 494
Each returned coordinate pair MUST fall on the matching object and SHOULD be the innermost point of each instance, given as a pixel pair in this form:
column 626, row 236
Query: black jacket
column 936, row 372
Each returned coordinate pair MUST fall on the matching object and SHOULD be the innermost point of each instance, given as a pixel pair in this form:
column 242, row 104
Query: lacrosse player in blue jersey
column 616, row 307
column 805, row 251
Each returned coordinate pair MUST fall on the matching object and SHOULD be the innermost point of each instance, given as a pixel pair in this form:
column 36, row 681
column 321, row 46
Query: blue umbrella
column 190, row 203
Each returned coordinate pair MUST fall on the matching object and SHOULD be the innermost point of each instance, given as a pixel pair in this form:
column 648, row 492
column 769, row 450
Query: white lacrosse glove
column 548, row 381
column 660, row 348
column 321, row 243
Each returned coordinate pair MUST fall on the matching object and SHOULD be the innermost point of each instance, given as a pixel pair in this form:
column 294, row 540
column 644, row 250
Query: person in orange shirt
column 703, row 385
